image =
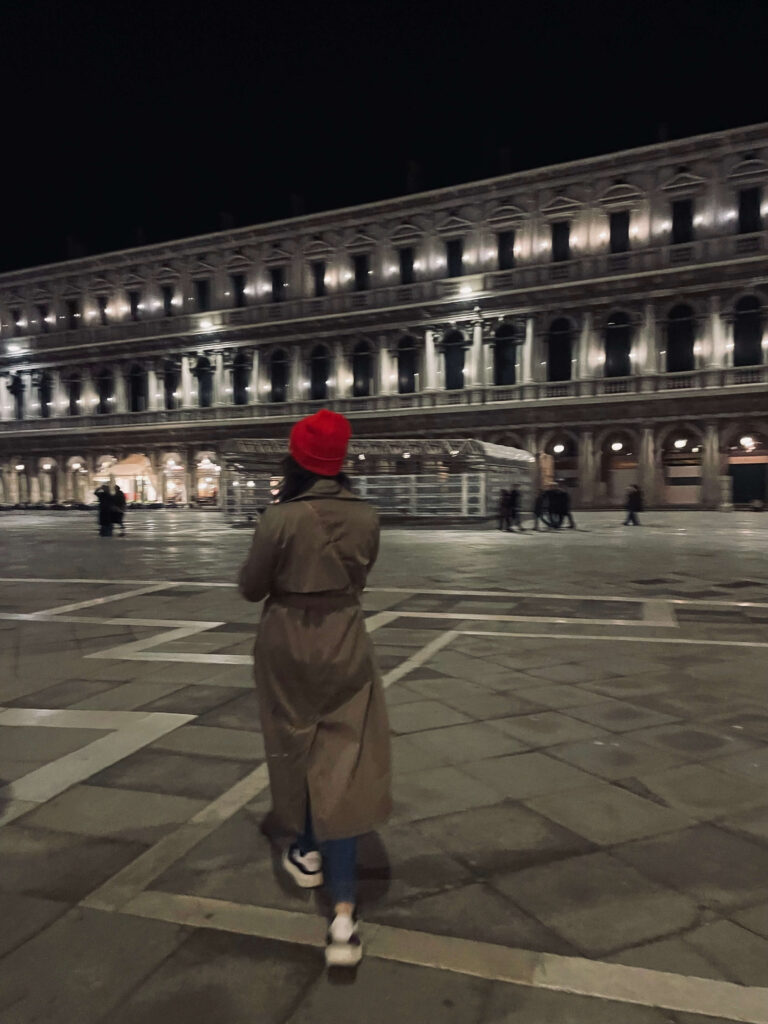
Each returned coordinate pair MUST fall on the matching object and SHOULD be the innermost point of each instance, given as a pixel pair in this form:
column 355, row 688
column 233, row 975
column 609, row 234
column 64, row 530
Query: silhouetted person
column 555, row 506
column 104, row 499
column 564, row 506
column 634, row 504
column 118, row 508
column 514, row 510
column 540, row 507
column 504, row 511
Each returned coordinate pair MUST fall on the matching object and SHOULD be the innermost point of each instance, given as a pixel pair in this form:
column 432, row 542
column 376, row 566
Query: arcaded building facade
column 606, row 315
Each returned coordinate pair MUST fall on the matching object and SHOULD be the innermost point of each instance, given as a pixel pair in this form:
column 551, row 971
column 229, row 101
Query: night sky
column 132, row 122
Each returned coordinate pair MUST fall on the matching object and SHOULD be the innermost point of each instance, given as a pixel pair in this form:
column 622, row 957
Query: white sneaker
column 306, row 869
column 343, row 947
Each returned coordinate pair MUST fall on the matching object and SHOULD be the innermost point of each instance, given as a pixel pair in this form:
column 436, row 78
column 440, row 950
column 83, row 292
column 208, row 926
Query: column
column 120, row 403
column 649, row 467
column 57, row 394
column 32, row 410
column 340, row 376
column 296, row 390
column 476, row 367
column 588, row 467
column 219, row 395
column 710, row 467
column 383, row 369
column 154, row 393
column 648, row 357
column 187, row 460
column 527, row 366
column 254, row 385
column 717, row 351
column 88, row 393
column 188, row 396
column 588, row 359
column 6, row 399
column 33, row 481
column 430, row 362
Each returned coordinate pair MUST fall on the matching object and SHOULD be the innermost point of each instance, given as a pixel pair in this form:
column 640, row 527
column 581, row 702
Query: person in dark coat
column 118, row 508
column 504, row 511
column 634, row 504
column 555, row 506
column 564, row 506
column 540, row 507
column 321, row 699
column 514, row 510
column 106, row 506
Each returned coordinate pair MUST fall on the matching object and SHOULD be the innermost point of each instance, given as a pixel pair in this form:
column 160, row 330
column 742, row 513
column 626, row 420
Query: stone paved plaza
column 580, row 738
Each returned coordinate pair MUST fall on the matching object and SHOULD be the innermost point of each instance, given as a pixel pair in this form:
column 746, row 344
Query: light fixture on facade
column 13, row 349
column 695, row 450
column 747, row 442
column 361, row 457
column 680, row 443
column 558, row 449
column 19, row 467
column 616, row 446
column 235, row 483
column 406, row 455
column 21, row 323
column 47, row 466
column 251, row 483
column 465, row 289
column 76, row 465
column 454, row 452
column 206, row 325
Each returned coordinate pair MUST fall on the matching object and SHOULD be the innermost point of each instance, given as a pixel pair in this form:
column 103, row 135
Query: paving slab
column 675, row 955
column 455, row 744
column 384, row 991
column 118, row 813
column 211, row 741
column 607, row 814
column 703, row 792
column 438, row 791
column 499, row 838
column 718, row 869
column 25, row 916
column 423, row 714
column 216, row 976
column 524, row 775
column 62, row 695
column 58, row 865
column 618, row 757
column 547, row 728
column 37, row 744
column 159, row 771
column 596, row 903
column 516, row 1004
column 99, row 959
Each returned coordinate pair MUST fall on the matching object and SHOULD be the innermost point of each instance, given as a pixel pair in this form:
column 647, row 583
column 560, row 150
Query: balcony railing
column 525, row 277
column 469, row 397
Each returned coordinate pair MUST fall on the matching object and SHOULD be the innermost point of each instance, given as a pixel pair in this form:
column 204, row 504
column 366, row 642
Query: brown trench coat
column 320, row 695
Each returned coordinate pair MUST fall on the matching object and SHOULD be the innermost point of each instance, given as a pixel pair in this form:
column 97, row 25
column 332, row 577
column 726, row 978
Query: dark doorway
column 505, row 356
column 749, row 482
column 559, row 350
column 748, row 332
column 453, row 352
column 319, row 373
column 362, row 370
column 618, row 346
column 681, row 336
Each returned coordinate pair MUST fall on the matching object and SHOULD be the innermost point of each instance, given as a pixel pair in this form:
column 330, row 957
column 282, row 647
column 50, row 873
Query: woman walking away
column 634, row 505
column 320, row 696
column 104, row 499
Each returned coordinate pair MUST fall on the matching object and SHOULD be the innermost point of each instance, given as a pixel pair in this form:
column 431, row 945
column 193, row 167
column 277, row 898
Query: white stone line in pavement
column 631, row 598
column 10, row 810
column 66, row 718
column 99, row 620
column 44, row 783
column 380, row 619
column 95, row 601
column 134, row 878
column 419, row 658
column 594, row 978
column 612, row 637
column 559, row 620
column 132, row 650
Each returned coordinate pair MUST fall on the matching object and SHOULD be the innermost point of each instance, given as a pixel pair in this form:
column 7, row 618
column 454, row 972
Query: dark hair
column 297, row 480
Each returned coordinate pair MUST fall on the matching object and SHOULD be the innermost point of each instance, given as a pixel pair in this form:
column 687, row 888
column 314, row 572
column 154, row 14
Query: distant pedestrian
column 634, row 504
column 118, row 508
column 320, row 695
column 541, row 509
column 504, row 511
column 106, row 521
column 564, row 506
column 555, row 506
column 514, row 510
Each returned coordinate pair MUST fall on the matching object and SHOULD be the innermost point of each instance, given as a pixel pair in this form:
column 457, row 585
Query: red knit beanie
column 319, row 442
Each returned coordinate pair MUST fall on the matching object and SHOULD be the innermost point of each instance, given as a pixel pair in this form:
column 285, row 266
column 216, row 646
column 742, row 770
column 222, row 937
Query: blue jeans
column 339, row 861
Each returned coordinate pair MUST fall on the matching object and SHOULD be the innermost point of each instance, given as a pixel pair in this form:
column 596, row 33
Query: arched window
column 319, row 373
column 406, row 366
column 278, row 376
column 104, row 389
column 44, row 394
column 171, row 383
column 137, row 388
column 559, row 349
column 74, row 390
column 618, row 346
column 241, row 370
column 681, row 336
column 453, row 353
column 505, row 356
column 748, row 332
column 362, row 370
column 204, row 374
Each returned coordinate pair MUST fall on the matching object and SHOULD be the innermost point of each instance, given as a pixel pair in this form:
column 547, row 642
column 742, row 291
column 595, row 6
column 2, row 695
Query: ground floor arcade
column 687, row 463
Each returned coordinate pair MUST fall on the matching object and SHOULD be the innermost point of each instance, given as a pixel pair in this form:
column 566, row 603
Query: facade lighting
column 616, row 446
column 47, row 466
column 206, row 325
column 559, row 449
column 251, row 483
column 680, row 443
column 747, row 441
column 13, row 349
column 19, row 467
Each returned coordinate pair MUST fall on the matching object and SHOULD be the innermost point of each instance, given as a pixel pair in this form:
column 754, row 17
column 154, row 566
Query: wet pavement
column 580, row 736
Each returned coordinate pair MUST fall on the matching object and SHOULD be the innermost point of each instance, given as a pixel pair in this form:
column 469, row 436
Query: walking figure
column 514, row 510
column 320, row 694
column 634, row 504
column 504, row 511
column 541, row 509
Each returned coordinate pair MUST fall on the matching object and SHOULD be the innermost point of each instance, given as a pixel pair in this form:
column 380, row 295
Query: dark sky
column 128, row 121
